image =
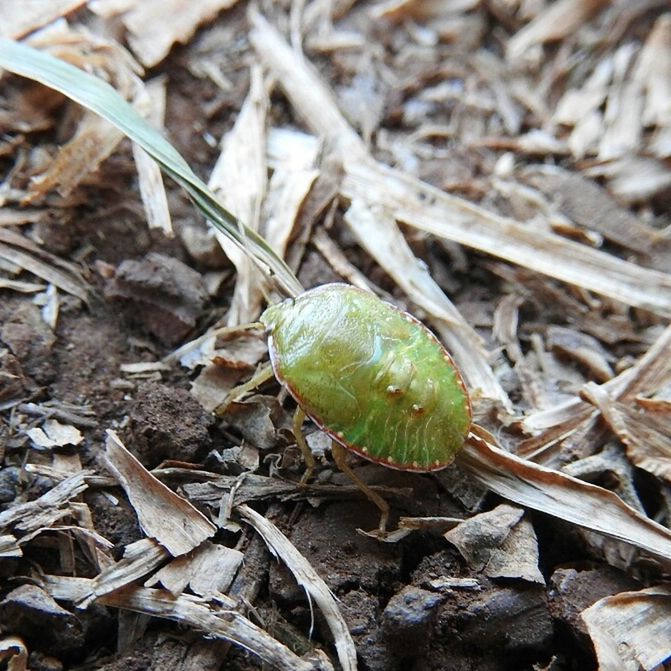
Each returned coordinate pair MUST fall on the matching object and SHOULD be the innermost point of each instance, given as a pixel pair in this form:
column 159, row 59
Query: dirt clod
column 32, row 614
column 30, row 340
column 10, row 481
column 409, row 612
column 168, row 423
column 165, row 295
column 572, row 590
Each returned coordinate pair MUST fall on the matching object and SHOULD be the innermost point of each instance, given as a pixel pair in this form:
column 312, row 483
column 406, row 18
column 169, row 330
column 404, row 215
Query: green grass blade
column 101, row 98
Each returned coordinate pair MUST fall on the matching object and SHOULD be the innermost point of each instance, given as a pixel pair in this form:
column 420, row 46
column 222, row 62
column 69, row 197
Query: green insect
column 372, row 377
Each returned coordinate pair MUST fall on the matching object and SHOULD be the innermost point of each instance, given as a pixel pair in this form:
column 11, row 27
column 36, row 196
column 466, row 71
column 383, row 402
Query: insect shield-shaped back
column 371, row 376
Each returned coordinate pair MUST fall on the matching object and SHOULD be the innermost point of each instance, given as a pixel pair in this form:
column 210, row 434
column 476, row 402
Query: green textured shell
column 371, row 376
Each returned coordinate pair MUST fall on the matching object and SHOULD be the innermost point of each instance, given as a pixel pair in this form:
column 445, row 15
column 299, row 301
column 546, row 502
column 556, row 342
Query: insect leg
column 340, row 457
column 299, row 418
column 263, row 374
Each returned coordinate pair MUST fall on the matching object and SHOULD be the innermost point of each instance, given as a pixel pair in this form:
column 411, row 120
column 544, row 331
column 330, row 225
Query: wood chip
column 557, row 20
column 151, row 101
column 240, row 178
column 153, row 28
column 631, row 630
column 224, row 621
column 499, row 543
column 17, row 20
column 209, row 570
column 45, row 271
column 54, row 434
column 162, row 514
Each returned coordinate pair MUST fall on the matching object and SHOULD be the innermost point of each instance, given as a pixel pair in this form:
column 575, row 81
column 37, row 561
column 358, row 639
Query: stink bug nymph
column 372, row 377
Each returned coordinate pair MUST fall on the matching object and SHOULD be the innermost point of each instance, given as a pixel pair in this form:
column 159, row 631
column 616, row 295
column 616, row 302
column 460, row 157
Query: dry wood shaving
column 179, row 532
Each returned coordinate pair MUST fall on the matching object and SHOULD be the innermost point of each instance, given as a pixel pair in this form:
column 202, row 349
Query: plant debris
column 499, row 169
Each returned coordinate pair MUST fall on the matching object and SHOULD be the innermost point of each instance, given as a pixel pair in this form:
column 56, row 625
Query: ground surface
column 422, row 602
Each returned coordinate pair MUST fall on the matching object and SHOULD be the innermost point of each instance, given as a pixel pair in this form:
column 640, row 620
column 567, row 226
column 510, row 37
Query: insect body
column 371, row 376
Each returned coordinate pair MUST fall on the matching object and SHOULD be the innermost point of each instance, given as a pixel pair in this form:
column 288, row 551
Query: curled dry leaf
column 562, row 496
column 500, row 543
column 162, row 514
column 645, row 432
column 631, row 630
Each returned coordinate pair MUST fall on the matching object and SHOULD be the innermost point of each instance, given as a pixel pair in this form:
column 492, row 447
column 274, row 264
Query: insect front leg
column 340, row 457
column 299, row 418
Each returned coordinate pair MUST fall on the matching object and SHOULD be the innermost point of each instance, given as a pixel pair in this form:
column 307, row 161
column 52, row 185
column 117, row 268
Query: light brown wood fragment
column 630, row 630
column 338, row 260
column 287, row 191
column 19, row 217
column 94, row 141
column 436, row 212
column 506, row 321
column 209, row 571
column 562, row 496
column 633, row 179
column 398, row 10
column 624, row 108
column 240, row 179
column 20, row 18
column 590, row 206
column 223, row 621
column 582, row 348
column 558, row 20
column 162, row 514
column 139, row 559
column 48, row 508
column 578, row 103
column 154, row 27
column 150, row 180
column 654, row 65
